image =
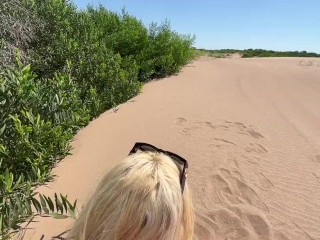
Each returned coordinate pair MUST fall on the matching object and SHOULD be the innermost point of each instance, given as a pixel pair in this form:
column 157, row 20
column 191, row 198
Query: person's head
column 139, row 199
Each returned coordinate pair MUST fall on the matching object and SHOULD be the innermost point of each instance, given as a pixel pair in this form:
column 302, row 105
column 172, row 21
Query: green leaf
column 2, row 149
column 18, row 202
column 58, row 216
column 64, row 201
column 71, row 212
column 1, row 223
column 49, row 202
column 37, row 205
column 57, row 98
column 16, row 185
column 59, row 205
column 30, row 117
column 46, row 210
column 43, row 204
column 8, row 180
column 27, row 205
column 74, row 205
column 26, row 69
column 2, row 129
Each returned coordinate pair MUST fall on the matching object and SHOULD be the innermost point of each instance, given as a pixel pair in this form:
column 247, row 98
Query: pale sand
column 250, row 129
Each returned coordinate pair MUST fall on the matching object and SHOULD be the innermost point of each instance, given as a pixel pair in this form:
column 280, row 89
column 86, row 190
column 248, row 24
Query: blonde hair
column 139, row 199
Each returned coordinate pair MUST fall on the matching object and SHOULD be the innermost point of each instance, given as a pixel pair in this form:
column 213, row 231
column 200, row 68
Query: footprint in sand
column 237, row 124
column 257, row 148
column 317, row 174
column 224, row 140
column 263, row 148
column 232, row 222
column 224, row 127
column 317, row 158
column 208, row 124
column 243, row 129
column 264, row 182
column 255, row 134
column 225, row 187
column 238, row 175
column 222, row 137
column 280, row 236
column 180, row 121
column 250, row 196
column 252, row 159
column 189, row 127
column 231, row 160
column 260, row 225
column 240, row 124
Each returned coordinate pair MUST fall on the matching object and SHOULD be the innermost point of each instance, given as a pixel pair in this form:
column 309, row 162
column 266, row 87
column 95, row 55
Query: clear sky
column 239, row 24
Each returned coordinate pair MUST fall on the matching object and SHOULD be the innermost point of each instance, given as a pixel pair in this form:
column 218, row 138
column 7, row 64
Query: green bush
column 166, row 53
column 71, row 66
column 37, row 120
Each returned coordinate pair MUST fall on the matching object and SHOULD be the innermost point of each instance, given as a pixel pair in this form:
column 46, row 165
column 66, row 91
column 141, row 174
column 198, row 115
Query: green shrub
column 37, row 120
column 83, row 62
column 154, row 52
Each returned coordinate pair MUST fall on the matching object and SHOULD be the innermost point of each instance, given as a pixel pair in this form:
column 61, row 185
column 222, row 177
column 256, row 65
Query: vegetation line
column 249, row 53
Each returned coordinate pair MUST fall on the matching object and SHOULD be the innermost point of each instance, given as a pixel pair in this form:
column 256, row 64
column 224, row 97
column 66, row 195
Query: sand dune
column 250, row 129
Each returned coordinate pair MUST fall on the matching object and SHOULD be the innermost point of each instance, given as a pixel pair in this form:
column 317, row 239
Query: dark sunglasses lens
column 147, row 148
column 178, row 162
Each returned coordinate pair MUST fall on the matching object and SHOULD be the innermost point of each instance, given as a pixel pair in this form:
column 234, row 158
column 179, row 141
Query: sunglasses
column 181, row 163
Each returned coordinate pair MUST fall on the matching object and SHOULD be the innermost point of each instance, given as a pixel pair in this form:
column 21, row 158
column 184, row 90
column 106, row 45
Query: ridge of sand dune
column 250, row 129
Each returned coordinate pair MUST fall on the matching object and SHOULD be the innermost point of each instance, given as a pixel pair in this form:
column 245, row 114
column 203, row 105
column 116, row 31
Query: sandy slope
column 250, row 129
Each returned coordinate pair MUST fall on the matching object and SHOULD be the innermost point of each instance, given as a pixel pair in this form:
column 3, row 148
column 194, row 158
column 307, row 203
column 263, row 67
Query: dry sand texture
column 250, row 129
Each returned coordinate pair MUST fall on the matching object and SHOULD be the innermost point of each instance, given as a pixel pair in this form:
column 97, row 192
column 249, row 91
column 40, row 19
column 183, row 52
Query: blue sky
column 239, row 24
